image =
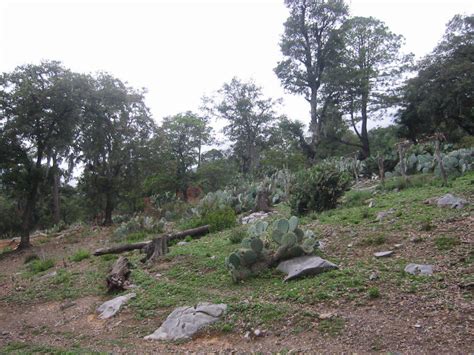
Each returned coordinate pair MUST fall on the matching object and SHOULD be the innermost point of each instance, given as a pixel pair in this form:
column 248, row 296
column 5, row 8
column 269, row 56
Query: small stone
column 158, row 275
column 213, row 257
column 350, row 245
column 181, row 243
column 324, row 316
column 384, row 214
column 417, row 325
column 373, row 276
column 383, row 254
column 258, row 332
column 247, row 335
column 372, row 204
column 398, row 246
column 419, row 269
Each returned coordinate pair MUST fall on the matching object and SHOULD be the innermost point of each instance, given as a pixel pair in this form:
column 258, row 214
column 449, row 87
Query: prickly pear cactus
column 251, row 258
column 291, row 240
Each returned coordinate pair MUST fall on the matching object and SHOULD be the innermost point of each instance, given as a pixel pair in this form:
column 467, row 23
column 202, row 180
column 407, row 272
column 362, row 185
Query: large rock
column 256, row 216
column 305, row 265
column 419, row 269
column 183, row 322
column 451, row 201
column 110, row 308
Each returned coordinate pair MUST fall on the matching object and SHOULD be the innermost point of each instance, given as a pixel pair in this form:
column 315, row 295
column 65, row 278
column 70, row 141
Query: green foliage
column 317, row 189
column 36, row 266
column 374, row 240
column 373, row 292
column 80, row 255
column 138, row 226
column 446, row 243
column 218, row 219
column 237, row 235
column 31, row 257
column 10, row 223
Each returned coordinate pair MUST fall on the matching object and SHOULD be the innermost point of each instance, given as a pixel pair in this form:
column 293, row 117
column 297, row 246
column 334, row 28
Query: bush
column 318, row 189
column 80, row 255
column 37, row 266
column 217, row 220
column 237, row 235
column 374, row 292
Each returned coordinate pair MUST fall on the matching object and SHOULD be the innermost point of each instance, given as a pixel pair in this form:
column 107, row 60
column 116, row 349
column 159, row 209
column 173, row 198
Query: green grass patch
column 373, row 240
column 373, row 292
column 137, row 237
column 446, row 243
column 80, row 255
column 36, row 266
column 333, row 326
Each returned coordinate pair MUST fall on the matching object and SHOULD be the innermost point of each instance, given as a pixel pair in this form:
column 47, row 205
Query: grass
column 80, row 255
column 37, row 265
column 333, row 326
column 373, row 292
column 446, row 243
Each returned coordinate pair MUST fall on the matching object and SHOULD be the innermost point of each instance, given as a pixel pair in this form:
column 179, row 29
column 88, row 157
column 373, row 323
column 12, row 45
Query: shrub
column 37, row 266
column 217, row 220
column 318, row 189
column 374, row 292
column 237, row 235
column 136, row 237
column 30, row 258
column 80, row 255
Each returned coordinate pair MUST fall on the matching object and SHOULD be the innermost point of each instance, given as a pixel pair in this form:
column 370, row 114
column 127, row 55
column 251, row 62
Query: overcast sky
column 182, row 50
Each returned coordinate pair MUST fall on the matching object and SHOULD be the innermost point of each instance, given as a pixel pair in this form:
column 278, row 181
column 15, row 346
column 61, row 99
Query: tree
column 39, row 115
column 249, row 118
column 185, row 134
column 439, row 98
column 370, row 70
column 116, row 128
column 309, row 46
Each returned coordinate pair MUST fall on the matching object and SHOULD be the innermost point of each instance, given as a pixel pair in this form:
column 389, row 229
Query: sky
column 181, row 50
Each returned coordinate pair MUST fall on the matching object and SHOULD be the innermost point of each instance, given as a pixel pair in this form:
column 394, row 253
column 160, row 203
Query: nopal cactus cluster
column 253, row 257
column 291, row 240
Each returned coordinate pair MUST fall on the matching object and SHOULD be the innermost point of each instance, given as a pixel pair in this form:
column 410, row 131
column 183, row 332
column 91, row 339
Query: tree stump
column 117, row 279
column 262, row 201
column 158, row 247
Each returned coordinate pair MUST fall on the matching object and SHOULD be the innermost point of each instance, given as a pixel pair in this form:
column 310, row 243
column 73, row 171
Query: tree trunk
column 440, row 161
column 194, row 232
column 35, row 176
column 109, row 207
column 380, row 162
column 401, row 155
column 117, row 279
column 55, row 193
column 158, row 247
column 364, row 136
column 314, row 124
column 262, row 202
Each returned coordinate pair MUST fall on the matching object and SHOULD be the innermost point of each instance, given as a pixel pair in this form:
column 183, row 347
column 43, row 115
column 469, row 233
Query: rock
column 383, row 254
column 49, row 275
column 110, row 308
column 183, row 322
column 181, row 243
column 324, row 316
column 247, row 335
column 384, row 214
column 452, row 201
column 373, row 276
column 255, row 217
column 258, row 333
column 398, row 246
column 304, row 265
column 419, row 269
column 371, row 204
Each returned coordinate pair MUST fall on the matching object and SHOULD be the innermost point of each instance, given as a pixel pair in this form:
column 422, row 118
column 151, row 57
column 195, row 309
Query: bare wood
column 194, row 232
column 158, row 247
column 117, row 279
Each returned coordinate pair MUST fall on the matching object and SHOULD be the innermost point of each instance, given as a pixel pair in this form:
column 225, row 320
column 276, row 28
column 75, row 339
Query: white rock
column 110, row 308
column 419, row 269
column 183, row 322
column 383, row 254
column 181, row 243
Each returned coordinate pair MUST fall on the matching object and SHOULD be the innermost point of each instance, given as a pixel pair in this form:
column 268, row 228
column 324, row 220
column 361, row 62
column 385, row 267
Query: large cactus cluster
column 291, row 240
column 252, row 257
column 455, row 162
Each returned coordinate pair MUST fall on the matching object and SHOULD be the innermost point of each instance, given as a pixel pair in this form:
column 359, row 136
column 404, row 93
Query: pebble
column 383, row 254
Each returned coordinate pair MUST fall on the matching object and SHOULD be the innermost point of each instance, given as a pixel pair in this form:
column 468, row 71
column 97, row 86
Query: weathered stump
column 158, row 247
column 117, row 279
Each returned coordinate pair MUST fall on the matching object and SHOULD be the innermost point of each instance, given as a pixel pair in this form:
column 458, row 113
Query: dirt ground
column 437, row 322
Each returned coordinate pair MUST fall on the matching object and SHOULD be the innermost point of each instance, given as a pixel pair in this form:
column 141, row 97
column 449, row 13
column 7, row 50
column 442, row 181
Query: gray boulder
column 384, row 214
column 304, row 265
column 451, row 201
column 419, row 269
column 110, row 308
column 183, row 322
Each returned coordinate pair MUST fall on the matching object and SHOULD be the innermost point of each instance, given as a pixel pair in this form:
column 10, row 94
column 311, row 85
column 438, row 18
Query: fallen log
column 194, row 232
column 117, row 279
